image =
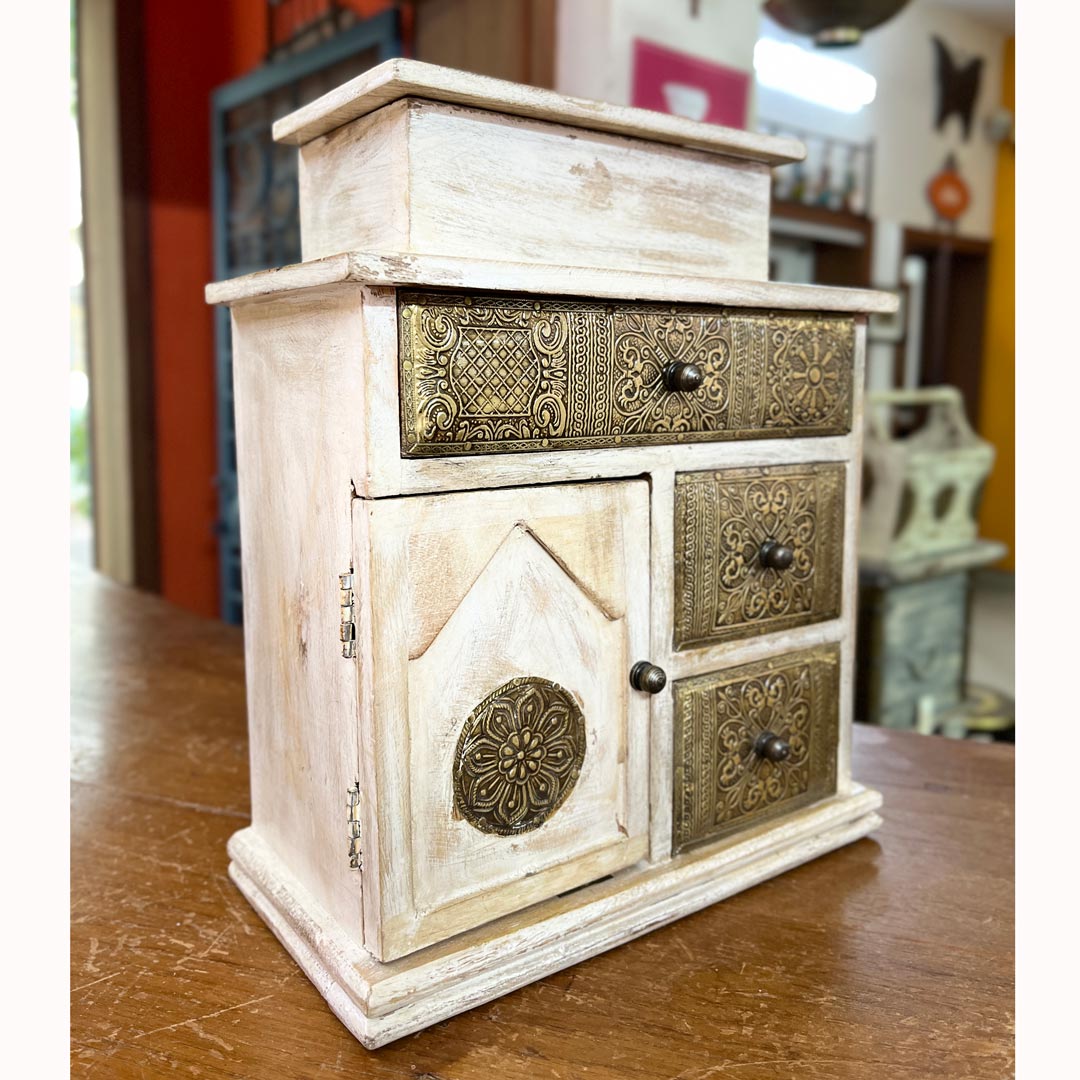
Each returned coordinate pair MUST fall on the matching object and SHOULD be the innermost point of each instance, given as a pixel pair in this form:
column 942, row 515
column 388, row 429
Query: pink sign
column 675, row 82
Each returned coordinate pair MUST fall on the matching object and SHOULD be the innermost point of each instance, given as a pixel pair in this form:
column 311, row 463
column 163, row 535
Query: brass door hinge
column 355, row 861
column 348, row 614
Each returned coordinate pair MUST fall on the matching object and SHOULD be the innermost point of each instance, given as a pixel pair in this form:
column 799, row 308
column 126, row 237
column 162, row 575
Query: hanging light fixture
column 832, row 22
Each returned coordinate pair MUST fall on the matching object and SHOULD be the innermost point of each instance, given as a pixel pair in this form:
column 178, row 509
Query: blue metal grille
column 256, row 216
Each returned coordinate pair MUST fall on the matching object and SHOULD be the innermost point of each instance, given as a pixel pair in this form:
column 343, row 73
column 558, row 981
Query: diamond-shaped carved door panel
column 483, row 374
column 753, row 742
column 509, row 762
column 756, row 551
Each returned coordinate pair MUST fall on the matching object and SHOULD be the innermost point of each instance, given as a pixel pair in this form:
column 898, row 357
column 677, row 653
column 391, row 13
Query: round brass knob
column 776, row 556
column 683, row 377
column 648, row 677
column 772, row 748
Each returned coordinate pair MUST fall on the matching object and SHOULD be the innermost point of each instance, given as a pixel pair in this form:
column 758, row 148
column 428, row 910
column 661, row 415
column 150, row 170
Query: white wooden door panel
column 511, row 613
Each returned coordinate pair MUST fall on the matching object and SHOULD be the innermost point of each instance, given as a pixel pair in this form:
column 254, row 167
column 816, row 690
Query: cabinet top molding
column 393, row 271
column 396, row 79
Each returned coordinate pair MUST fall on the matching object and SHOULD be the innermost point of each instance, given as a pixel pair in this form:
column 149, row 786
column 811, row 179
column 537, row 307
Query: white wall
column 901, row 120
column 594, row 39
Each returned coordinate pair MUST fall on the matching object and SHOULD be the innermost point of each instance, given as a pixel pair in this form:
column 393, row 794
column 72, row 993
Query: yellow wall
column 997, row 412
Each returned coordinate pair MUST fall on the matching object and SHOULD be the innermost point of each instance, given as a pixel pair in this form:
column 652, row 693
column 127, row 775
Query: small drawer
column 753, row 742
column 756, row 551
column 483, row 374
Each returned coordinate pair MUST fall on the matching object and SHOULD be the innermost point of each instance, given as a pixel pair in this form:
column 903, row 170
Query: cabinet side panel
column 354, row 186
column 850, row 594
column 297, row 372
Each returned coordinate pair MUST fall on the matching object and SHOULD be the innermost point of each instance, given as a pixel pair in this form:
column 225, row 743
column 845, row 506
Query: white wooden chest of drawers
column 548, row 541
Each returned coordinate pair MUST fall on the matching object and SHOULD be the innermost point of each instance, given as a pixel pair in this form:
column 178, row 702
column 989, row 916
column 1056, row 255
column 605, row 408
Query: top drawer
column 483, row 374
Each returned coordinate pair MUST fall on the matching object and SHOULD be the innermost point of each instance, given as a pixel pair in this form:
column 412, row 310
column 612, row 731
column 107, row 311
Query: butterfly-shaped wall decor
column 958, row 86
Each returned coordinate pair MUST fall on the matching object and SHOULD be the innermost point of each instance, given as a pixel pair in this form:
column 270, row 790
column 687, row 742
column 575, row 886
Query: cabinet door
column 504, row 755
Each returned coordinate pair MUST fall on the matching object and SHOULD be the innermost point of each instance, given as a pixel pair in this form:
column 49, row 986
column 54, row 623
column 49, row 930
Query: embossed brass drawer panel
column 724, row 522
column 723, row 779
column 483, row 374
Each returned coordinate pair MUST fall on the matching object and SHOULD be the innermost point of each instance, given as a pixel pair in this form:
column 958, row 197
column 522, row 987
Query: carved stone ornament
column 518, row 757
column 722, row 779
column 724, row 588
column 490, row 374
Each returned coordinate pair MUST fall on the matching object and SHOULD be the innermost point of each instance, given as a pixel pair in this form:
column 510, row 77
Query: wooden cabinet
column 549, row 541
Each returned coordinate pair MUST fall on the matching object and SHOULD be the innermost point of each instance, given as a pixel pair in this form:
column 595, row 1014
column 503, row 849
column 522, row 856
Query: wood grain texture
column 446, row 271
column 295, row 375
column 893, row 954
column 424, row 178
column 354, row 185
column 400, row 78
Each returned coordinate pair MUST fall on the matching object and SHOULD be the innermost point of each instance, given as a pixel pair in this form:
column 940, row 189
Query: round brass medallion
column 518, row 756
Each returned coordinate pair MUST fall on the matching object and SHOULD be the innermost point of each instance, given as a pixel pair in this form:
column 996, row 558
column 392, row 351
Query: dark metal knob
column 648, row 677
column 776, row 556
column 684, row 377
column 772, row 748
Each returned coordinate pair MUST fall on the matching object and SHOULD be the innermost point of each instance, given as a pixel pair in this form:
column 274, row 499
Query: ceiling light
column 812, row 76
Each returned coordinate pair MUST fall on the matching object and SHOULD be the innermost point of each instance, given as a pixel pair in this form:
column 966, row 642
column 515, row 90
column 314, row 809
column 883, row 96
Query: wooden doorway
column 954, row 312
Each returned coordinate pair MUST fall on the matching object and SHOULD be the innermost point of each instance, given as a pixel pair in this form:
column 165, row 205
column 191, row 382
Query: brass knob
column 648, row 677
column 683, row 377
column 772, row 748
column 776, row 556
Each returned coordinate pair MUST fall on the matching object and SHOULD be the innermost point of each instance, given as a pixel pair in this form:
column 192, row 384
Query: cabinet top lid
column 396, row 79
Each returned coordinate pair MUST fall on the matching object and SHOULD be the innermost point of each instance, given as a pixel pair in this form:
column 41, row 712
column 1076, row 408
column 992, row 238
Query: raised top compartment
column 414, row 159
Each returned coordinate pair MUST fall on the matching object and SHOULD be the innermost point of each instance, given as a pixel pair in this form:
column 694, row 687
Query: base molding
column 381, row 1002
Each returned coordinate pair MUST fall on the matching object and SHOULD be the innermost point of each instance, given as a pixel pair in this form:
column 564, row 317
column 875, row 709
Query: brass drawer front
column 483, row 374
column 723, row 589
column 722, row 783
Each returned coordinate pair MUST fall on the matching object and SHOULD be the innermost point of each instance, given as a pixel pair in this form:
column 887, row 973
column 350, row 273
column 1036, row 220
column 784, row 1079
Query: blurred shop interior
column 907, row 186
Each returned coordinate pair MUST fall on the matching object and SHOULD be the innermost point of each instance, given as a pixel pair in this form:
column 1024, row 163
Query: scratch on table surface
column 199, row 1019
column 197, row 1028
column 184, row 834
column 127, row 855
column 206, row 952
column 729, row 1066
column 90, row 968
column 679, row 940
column 233, row 910
column 86, row 986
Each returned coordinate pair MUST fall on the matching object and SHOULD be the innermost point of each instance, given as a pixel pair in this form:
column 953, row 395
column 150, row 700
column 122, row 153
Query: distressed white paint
column 426, row 178
column 459, row 594
column 382, row 1002
column 469, row 572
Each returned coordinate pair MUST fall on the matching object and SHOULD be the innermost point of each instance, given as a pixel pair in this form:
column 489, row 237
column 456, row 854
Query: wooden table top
column 892, row 957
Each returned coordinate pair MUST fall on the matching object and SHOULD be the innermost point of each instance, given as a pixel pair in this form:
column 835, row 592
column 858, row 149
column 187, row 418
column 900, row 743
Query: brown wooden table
column 891, row 958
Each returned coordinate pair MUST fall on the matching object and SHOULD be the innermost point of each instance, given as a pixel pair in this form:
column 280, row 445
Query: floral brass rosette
column 518, row 757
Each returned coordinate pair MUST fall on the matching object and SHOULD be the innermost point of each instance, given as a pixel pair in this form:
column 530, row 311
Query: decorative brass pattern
column 722, row 783
column 723, row 590
column 483, row 374
column 518, row 757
